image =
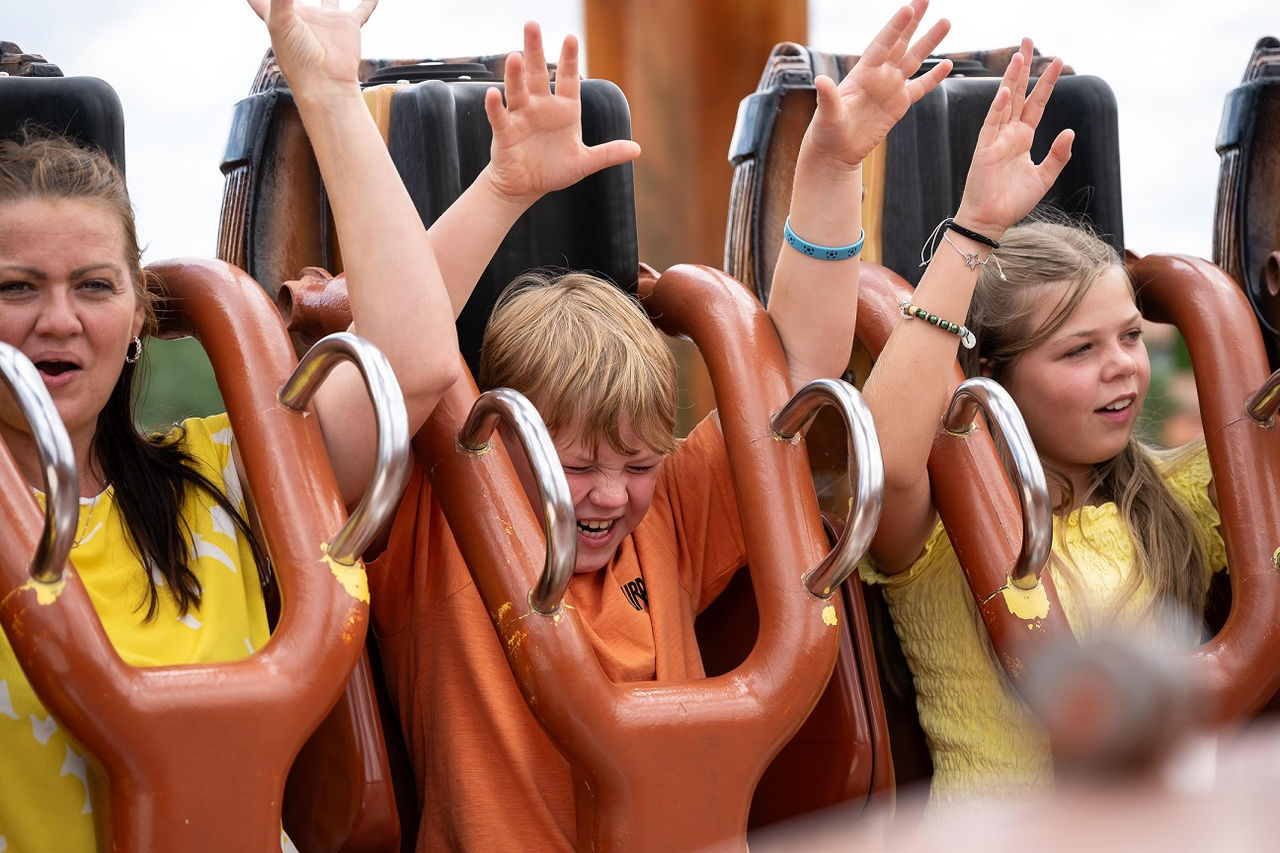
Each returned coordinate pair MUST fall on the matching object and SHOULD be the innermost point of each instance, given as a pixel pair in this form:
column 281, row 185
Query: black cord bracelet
column 972, row 235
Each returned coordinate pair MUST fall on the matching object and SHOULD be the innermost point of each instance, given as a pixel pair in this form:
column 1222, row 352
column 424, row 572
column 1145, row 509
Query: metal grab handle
column 559, row 523
column 1027, row 473
column 864, row 455
column 391, row 465
column 1264, row 402
column 57, row 464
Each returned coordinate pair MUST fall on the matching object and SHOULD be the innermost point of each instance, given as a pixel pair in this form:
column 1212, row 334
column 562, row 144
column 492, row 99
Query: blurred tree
column 177, row 383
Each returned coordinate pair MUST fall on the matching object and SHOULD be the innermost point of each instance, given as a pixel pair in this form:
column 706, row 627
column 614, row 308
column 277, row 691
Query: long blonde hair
column 1033, row 256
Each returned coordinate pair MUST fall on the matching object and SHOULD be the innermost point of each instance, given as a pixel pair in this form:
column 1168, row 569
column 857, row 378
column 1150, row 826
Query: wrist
column 328, row 95
column 826, row 168
column 969, row 220
column 490, row 182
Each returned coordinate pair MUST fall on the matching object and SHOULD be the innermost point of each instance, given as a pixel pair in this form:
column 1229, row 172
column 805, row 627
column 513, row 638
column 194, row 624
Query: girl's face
column 68, row 302
column 1081, row 390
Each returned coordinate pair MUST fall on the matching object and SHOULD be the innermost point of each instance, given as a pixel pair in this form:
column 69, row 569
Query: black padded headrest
column 930, row 148
column 84, row 108
column 928, row 152
column 440, row 139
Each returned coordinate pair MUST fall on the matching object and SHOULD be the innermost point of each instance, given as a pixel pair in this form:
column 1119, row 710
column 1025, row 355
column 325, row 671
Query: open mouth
column 55, row 368
column 1117, row 406
column 596, row 529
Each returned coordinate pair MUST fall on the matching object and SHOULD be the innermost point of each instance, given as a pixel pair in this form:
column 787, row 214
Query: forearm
column 814, row 301
column 392, row 273
column 468, row 233
column 907, row 393
column 907, row 390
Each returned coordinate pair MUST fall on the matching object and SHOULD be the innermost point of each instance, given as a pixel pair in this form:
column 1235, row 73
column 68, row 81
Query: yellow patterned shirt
column 44, row 804
column 982, row 739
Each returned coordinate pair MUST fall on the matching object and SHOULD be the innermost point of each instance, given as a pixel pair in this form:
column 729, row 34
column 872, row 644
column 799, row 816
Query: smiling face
column 611, row 492
column 1082, row 388
column 69, row 302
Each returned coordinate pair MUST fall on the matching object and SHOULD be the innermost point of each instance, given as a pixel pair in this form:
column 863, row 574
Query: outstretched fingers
column 364, row 10
column 1033, row 109
column 494, row 109
column 1018, row 87
column 513, row 82
column 997, row 117
column 886, row 43
column 537, row 77
column 920, row 86
column 925, row 45
column 568, row 82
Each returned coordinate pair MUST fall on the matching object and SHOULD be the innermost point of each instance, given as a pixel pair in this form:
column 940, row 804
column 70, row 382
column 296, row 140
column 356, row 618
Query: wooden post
column 684, row 67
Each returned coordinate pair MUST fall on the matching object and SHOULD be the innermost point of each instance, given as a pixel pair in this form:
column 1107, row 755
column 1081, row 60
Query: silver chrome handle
column 559, row 524
column 57, row 464
column 1027, row 473
column 1264, row 402
column 391, row 464
column 864, row 456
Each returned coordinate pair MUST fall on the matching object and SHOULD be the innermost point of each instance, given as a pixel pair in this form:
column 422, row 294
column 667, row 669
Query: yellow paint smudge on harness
column 46, row 593
column 352, row 577
column 829, row 615
column 1026, row 603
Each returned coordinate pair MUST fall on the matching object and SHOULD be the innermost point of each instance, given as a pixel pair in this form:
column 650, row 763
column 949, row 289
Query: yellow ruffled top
column 982, row 739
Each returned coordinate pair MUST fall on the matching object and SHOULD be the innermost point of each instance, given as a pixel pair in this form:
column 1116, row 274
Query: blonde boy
column 658, row 529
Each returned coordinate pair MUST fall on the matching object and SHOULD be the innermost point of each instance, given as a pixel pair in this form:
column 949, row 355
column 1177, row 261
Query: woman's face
column 1081, row 390
column 68, row 302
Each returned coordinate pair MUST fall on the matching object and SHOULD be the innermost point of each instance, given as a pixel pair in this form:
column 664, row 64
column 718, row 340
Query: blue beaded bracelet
column 822, row 253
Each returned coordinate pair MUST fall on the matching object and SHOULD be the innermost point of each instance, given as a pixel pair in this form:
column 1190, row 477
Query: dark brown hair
column 150, row 474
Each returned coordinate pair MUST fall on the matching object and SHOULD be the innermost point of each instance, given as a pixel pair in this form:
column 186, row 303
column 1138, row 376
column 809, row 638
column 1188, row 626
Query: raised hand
column 537, row 135
column 853, row 117
column 1004, row 184
column 316, row 46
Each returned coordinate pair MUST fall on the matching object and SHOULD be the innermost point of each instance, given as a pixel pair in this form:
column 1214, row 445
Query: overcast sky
column 179, row 67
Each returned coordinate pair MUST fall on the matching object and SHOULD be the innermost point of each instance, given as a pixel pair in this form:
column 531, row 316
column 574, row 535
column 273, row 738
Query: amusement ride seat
column 264, row 706
column 1246, row 238
column 912, row 182
column 439, row 137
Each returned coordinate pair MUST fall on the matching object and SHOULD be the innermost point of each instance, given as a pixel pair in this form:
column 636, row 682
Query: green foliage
column 1164, row 404
column 177, row 383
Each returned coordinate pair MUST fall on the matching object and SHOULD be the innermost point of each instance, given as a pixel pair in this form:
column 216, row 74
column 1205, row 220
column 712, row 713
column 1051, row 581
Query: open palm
column 315, row 45
column 1004, row 183
column 855, row 116
column 537, row 134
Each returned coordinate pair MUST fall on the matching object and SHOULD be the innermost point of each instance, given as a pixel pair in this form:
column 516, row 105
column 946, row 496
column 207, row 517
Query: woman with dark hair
column 162, row 545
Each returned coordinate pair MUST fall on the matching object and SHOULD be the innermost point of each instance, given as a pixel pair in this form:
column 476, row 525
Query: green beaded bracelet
column 909, row 311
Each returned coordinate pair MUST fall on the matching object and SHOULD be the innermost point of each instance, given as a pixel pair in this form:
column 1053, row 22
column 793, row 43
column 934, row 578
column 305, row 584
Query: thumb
column 611, row 153
column 1059, row 154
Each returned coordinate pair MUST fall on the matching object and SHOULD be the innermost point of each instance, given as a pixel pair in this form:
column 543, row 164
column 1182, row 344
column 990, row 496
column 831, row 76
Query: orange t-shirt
column 488, row 777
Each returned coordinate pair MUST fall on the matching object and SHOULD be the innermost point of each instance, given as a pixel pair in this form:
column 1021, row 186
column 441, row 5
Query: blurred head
column 72, row 291
column 1063, row 334
column 604, row 381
